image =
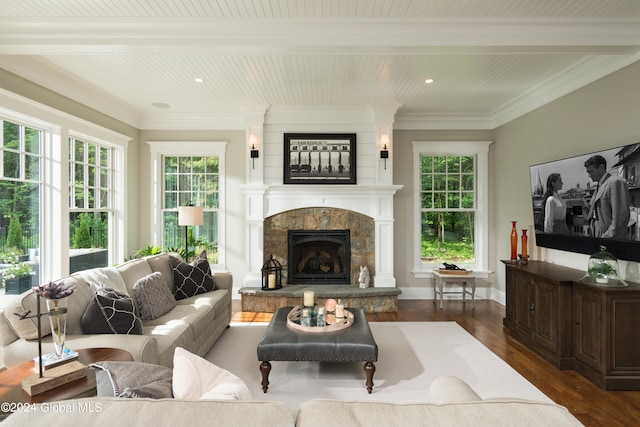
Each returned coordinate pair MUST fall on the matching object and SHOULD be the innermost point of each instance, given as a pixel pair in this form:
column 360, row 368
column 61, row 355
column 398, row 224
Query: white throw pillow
column 197, row 378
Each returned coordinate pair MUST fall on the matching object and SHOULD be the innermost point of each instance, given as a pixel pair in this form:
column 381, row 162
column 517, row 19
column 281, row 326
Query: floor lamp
column 189, row 215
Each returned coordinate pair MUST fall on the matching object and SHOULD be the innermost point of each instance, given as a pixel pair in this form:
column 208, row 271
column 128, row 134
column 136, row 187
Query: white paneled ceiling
column 492, row 60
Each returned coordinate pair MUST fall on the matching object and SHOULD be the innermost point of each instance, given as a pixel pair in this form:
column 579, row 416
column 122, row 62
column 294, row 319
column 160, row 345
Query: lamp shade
column 190, row 215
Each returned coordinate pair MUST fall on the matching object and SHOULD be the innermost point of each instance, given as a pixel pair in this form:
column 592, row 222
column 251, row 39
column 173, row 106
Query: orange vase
column 514, row 241
column 525, row 245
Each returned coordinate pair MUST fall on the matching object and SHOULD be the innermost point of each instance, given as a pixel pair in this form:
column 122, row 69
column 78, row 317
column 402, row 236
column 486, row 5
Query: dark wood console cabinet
column 591, row 329
column 539, row 309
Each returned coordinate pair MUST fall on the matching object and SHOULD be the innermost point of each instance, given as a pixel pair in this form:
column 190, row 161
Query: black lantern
column 271, row 275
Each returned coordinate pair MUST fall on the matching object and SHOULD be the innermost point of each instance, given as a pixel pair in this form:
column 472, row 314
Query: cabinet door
column 545, row 314
column 624, row 350
column 588, row 328
column 511, row 298
column 523, row 285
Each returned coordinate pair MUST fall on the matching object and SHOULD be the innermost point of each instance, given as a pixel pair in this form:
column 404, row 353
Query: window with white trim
column 191, row 180
column 20, row 203
column 189, row 173
column 451, row 186
column 90, row 203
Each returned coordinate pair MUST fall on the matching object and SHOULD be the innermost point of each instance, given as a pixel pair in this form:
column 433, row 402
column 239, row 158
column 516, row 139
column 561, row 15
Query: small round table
column 11, row 379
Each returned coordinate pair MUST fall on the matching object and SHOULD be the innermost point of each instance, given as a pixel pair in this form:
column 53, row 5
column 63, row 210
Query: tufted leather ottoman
column 353, row 344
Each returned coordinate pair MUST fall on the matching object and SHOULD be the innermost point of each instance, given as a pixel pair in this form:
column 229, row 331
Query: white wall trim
column 481, row 150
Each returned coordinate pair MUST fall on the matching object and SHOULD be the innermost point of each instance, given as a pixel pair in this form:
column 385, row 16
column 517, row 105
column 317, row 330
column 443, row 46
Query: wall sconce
column 384, row 153
column 254, row 154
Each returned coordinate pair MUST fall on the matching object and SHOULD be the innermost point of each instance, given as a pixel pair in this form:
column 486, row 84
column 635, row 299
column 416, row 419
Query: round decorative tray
column 293, row 322
column 612, row 283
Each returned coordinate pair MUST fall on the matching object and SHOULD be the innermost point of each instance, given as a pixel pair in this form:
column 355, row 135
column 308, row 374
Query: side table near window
column 11, row 392
column 440, row 280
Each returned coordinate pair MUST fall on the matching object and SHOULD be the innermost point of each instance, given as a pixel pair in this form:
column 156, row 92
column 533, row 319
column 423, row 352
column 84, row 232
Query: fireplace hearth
column 319, row 257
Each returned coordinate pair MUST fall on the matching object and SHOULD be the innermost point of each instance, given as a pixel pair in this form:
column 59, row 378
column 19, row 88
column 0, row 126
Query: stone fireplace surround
column 369, row 207
column 361, row 227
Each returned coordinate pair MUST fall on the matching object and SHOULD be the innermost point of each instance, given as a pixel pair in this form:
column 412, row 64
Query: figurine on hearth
column 363, row 277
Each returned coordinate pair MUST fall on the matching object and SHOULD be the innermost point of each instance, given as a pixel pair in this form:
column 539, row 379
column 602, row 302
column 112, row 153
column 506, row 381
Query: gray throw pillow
column 132, row 380
column 153, row 297
column 110, row 312
column 192, row 279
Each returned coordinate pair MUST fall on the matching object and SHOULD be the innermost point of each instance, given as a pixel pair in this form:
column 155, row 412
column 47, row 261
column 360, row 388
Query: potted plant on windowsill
column 17, row 277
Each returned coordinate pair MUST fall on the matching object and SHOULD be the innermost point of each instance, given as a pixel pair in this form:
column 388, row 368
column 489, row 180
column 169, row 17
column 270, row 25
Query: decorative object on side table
column 453, row 270
column 514, row 242
column 523, row 258
column 55, row 295
column 271, row 275
column 603, row 270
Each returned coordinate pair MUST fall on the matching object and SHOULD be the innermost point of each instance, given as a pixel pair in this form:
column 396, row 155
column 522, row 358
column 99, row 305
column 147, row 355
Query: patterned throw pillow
column 191, row 279
column 153, row 297
column 110, row 312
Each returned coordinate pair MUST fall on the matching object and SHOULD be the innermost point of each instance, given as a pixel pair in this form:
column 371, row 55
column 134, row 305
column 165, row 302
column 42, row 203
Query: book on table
column 51, row 360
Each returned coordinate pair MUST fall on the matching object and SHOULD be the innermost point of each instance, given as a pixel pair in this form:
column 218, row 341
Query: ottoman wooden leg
column 265, row 368
column 369, row 370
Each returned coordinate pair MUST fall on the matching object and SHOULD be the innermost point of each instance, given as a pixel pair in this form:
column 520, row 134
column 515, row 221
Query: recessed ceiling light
column 198, row 79
column 161, row 105
column 429, row 81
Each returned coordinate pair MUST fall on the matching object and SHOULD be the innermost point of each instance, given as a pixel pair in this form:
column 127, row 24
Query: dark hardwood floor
column 483, row 319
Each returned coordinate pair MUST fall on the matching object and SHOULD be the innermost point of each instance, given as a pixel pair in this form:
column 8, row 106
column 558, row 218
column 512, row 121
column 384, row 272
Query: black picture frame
column 319, row 158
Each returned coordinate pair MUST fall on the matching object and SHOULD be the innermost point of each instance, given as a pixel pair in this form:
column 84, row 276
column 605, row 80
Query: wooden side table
column 440, row 280
column 11, row 391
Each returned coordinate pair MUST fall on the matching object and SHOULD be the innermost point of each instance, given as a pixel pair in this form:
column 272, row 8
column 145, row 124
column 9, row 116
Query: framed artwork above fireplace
column 319, row 158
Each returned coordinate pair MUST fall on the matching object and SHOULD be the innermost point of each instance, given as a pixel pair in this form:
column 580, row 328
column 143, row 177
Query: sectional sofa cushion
column 191, row 279
column 152, row 296
column 28, row 328
column 110, row 312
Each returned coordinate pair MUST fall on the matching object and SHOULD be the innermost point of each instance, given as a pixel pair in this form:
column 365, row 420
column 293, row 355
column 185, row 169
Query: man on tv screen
column 609, row 208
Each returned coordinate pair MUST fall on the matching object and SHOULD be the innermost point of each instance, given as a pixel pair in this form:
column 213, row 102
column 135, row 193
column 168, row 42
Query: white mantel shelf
column 367, row 200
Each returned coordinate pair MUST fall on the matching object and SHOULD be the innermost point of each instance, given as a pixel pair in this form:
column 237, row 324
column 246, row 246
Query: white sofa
column 449, row 402
column 195, row 323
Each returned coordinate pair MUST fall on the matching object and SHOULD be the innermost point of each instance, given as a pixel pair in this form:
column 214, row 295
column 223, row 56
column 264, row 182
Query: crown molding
column 46, row 36
column 580, row 74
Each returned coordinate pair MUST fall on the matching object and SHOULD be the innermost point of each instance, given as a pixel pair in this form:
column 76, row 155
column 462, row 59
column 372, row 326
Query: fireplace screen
column 319, row 257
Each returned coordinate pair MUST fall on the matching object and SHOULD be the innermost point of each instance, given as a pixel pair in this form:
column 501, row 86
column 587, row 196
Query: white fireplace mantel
column 376, row 201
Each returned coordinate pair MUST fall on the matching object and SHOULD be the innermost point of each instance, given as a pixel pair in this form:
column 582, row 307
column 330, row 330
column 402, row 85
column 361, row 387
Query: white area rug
column 410, row 356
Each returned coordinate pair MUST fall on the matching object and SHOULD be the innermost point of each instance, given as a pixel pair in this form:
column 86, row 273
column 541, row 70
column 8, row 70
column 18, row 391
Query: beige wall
column 403, row 203
column 604, row 114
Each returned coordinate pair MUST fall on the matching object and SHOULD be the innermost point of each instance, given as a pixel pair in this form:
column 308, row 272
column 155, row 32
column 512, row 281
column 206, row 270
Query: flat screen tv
column 588, row 212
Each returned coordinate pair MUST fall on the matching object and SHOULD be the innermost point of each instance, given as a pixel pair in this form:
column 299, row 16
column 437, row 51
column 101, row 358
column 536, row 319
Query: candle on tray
column 339, row 310
column 309, row 299
column 272, row 280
